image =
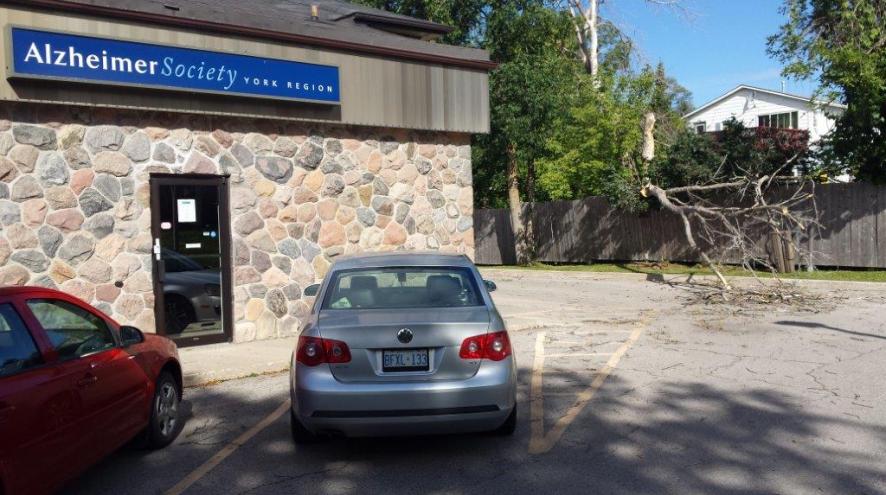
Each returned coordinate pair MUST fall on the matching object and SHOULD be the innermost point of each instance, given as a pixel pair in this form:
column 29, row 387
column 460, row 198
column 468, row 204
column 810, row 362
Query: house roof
column 740, row 87
column 340, row 25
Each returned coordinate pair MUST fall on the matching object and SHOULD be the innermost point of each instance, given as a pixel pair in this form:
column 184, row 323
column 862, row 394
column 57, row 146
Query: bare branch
column 683, row 212
column 751, row 221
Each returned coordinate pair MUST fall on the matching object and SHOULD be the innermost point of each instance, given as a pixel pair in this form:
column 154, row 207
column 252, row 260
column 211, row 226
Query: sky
column 710, row 48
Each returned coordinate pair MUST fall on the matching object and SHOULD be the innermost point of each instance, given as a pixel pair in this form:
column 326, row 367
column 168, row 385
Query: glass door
column 191, row 256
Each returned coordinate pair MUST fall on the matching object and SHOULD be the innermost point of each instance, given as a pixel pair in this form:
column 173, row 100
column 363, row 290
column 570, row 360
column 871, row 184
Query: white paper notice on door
column 187, row 210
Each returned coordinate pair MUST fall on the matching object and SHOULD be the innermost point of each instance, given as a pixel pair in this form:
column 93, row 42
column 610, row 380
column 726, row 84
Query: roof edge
column 764, row 90
column 222, row 28
column 419, row 24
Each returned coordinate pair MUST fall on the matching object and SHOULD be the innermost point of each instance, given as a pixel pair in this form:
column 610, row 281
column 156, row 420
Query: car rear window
column 402, row 287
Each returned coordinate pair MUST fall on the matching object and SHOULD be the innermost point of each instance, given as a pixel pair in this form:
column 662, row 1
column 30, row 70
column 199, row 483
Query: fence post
column 776, row 252
column 790, row 252
column 781, row 251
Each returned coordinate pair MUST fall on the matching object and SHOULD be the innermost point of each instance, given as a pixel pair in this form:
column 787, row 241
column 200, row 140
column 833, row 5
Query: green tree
column 596, row 140
column 843, row 43
column 535, row 82
column 691, row 159
column 669, row 102
column 669, row 97
column 616, row 49
column 737, row 151
column 596, row 146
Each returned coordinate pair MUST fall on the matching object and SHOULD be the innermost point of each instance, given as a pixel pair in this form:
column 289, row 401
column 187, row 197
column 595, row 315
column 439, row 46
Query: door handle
column 87, row 380
column 156, row 248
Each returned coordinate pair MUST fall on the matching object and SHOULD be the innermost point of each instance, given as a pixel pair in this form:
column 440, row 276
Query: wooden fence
column 852, row 233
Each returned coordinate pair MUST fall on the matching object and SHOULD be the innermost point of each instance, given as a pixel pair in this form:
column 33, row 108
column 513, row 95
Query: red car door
column 42, row 422
column 114, row 388
column 119, row 400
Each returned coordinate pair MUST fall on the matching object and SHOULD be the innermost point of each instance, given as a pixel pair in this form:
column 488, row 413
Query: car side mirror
column 490, row 285
column 312, row 290
column 131, row 335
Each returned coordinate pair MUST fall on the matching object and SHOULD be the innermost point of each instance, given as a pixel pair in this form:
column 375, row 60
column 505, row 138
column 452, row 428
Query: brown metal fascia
column 217, row 27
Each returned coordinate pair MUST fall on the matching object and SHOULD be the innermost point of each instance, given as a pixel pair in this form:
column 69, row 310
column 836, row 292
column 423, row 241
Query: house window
column 700, row 127
column 786, row 120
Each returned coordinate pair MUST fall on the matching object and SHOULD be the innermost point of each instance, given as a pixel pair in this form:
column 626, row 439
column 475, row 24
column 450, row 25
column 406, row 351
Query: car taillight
column 494, row 346
column 312, row 351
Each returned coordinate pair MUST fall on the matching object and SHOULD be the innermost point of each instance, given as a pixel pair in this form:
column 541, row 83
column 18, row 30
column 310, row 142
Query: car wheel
column 300, row 434
column 165, row 419
column 510, row 425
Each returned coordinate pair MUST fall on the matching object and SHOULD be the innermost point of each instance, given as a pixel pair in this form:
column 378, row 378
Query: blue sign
column 47, row 55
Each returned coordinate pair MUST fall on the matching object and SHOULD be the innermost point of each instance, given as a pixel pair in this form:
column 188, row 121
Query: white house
column 755, row 107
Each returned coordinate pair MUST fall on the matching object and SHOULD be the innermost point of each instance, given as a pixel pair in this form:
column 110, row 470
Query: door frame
column 224, row 235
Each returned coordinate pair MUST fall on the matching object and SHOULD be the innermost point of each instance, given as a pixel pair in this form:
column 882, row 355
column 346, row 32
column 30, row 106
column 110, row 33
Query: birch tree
column 587, row 21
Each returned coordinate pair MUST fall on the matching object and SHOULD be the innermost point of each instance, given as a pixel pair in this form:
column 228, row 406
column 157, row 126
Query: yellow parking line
column 536, row 399
column 539, row 442
column 226, row 451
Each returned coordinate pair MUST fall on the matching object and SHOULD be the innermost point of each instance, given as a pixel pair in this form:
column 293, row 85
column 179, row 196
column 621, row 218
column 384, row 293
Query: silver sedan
column 399, row 344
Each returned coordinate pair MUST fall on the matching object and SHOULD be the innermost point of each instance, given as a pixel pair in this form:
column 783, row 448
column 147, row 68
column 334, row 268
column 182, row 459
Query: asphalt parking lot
column 624, row 388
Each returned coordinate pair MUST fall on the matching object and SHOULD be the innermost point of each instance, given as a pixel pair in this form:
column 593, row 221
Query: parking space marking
column 227, row 450
column 536, row 404
column 541, row 442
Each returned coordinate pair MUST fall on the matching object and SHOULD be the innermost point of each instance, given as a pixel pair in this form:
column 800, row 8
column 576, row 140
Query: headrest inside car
column 363, row 283
column 443, row 284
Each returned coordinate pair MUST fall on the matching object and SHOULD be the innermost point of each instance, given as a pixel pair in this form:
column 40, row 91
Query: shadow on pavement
column 812, row 324
column 672, row 437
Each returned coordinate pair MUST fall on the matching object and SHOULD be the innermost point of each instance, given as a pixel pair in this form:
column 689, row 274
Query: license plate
column 408, row 360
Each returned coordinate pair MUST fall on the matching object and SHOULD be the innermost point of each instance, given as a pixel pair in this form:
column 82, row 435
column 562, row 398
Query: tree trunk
column 594, row 42
column 776, row 252
column 516, row 208
column 585, row 22
column 782, row 253
column 529, row 213
column 648, row 136
column 648, row 153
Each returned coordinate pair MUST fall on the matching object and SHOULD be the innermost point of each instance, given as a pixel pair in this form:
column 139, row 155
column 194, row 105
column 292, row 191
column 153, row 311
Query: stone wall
column 75, row 209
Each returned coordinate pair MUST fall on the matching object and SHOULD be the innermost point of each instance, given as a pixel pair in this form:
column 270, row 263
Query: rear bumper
column 482, row 402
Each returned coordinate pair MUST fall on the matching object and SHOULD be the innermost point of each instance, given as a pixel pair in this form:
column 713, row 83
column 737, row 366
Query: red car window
column 72, row 330
column 18, row 351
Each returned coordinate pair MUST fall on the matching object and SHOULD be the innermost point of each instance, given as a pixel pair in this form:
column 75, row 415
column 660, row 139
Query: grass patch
column 862, row 275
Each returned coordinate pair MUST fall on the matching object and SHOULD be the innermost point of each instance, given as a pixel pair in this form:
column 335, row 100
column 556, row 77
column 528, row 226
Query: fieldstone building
column 200, row 207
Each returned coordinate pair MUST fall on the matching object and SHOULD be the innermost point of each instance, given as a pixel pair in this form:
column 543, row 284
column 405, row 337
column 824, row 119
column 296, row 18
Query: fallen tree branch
column 662, row 197
column 734, row 217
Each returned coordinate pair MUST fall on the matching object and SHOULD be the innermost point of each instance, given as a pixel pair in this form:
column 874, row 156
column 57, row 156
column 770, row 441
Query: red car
column 75, row 386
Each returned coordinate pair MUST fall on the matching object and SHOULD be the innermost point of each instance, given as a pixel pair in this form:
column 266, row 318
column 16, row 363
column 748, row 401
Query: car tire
column 300, row 434
column 165, row 413
column 509, row 426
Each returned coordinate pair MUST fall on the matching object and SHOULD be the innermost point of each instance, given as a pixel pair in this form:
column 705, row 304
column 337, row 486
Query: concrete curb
column 222, row 362
column 201, row 379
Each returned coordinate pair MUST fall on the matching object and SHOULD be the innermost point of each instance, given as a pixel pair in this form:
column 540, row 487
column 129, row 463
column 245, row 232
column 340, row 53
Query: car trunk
column 369, row 333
